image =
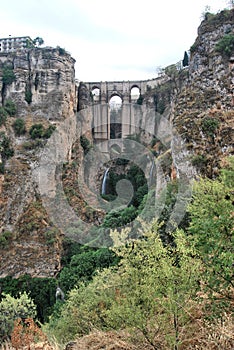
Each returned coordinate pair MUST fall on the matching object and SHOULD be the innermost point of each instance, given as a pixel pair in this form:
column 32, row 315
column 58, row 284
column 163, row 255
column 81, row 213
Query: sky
column 111, row 40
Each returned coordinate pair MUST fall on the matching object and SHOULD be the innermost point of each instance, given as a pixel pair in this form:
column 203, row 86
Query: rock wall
column 202, row 110
column 44, row 91
column 44, row 85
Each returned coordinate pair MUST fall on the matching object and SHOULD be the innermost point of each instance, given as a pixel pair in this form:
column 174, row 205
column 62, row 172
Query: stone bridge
column 112, row 122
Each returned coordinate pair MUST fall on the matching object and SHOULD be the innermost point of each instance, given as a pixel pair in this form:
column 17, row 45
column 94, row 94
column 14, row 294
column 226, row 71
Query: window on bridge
column 115, row 117
column 95, row 94
column 135, row 93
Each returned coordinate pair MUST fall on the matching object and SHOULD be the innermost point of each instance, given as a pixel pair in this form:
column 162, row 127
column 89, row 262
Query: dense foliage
column 157, row 287
column 37, row 131
column 12, row 309
column 19, row 127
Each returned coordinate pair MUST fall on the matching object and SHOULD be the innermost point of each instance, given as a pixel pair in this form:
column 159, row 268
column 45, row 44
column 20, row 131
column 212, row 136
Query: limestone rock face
column 45, row 82
column 203, row 107
column 44, row 92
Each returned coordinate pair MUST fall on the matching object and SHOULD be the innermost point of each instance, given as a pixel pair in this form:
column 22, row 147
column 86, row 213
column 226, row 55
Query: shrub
column 10, row 107
column 3, row 116
column 5, row 238
column 5, row 147
column 12, row 309
column 36, row 131
column 226, row 45
column 199, row 160
column 211, row 229
column 8, row 75
column 85, row 144
column 28, row 95
column 49, row 131
column 149, row 292
column 210, row 125
column 19, row 127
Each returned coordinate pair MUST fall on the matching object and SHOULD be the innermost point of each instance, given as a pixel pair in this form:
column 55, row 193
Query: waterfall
column 151, row 175
column 104, row 181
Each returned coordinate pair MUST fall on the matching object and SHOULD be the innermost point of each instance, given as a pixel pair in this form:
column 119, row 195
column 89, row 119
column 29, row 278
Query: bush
column 5, row 239
column 28, row 95
column 226, row 45
column 49, row 131
column 12, row 309
column 5, row 148
column 149, row 292
column 85, row 144
column 10, row 107
column 8, row 75
column 209, row 126
column 41, row 291
column 211, row 229
column 3, row 116
column 19, row 127
column 37, row 131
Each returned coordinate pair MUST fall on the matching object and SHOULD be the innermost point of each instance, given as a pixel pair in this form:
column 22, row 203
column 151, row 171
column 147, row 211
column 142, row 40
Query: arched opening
column 115, row 117
column 135, row 93
column 95, row 94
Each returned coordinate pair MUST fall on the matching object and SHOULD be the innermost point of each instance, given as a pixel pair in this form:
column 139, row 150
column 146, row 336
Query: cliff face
column 203, row 108
column 44, row 83
column 44, row 92
column 198, row 99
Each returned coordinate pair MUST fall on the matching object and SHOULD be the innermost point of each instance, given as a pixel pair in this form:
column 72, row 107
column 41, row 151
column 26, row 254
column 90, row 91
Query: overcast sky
column 110, row 40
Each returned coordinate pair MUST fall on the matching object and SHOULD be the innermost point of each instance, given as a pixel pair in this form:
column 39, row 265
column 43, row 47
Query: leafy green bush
column 118, row 218
column 199, row 161
column 3, row 116
column 5, row 238
column 83, row 266
column 49, row 131
column 13, row 308
column 210, row 125
column 41, row 291
column 226, row 45
column 5, row 147
column 85, row 144
column 150, row 291
column 10, row 107
column 28, row 95
column 37, row 131
column 19, row 127
column 8, row 75
column 211, row 229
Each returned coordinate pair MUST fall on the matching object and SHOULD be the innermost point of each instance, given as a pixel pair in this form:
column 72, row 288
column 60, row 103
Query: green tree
column 38, row 41
column 13, row 308
column 36, row 131
column 8, row 75
column 185, row 61
column 6, row 149
column 150, row 291
column 19, row 127
column 84, row 265
column 211, row 228
column 226, row 45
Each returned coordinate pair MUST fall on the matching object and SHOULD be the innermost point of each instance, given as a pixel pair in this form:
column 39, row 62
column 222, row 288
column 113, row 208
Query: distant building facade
column 15, row 43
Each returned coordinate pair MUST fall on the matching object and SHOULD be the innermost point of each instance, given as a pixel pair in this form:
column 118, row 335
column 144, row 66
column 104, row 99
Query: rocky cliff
column 43, row 89
column 44, row 84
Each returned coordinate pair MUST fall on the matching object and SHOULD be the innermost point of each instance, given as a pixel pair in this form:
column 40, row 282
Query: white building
column 12, row 44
